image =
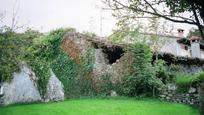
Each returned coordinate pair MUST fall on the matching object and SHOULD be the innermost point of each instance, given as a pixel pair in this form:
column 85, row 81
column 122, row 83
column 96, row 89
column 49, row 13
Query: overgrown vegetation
column 43, row 52
column 185, row 81
column 12, row 51
column 86, row 79
column 47, row 54
column 143, row 80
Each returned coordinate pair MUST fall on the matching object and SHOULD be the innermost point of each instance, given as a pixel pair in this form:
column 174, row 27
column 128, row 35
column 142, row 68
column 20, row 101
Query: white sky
column 46, row 15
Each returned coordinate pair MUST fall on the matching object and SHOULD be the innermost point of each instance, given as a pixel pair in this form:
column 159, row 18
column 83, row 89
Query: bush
column 188, row 79
column 106, row 85
column 12, row 51
column 184, row 81
column 143, row 81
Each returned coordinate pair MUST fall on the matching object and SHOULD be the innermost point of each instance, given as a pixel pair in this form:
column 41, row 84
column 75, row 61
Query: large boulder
column 22, row 88
column 55, row 89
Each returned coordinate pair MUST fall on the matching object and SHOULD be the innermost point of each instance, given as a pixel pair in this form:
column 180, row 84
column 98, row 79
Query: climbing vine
column 66, row 70
column 12, row 51
column 46, row 54
column 42, row 54
column 86, row 80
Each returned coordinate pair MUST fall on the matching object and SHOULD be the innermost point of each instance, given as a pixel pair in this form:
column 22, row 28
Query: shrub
column 199, row 77
column 106, row 85
column 184, row 81
column 12, row 51
column 143, row 81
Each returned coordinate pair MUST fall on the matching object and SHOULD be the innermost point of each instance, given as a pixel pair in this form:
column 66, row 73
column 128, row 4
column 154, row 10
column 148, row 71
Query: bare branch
column 156, row 13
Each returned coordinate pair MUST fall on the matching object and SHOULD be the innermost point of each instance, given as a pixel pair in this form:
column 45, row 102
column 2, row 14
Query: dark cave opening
column 112, row 53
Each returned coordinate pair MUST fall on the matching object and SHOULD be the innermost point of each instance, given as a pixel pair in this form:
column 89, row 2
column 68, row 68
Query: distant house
column 179, row 46
column 183, row 47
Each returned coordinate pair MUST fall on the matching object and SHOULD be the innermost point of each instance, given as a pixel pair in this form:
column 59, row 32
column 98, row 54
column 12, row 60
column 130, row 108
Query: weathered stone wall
column 191, row 68
column 189, row 97
column 23, row 87
column 75, row 45
column 115, row 70
column 100, row 66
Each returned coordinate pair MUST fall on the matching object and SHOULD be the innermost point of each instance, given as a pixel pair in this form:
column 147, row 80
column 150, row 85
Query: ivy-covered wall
column 12, row 51
column 44, row 53
column 82, row 67
column 47, row 53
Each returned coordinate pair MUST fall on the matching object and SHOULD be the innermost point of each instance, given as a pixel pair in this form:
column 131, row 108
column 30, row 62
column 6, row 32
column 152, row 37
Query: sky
column 46, row 15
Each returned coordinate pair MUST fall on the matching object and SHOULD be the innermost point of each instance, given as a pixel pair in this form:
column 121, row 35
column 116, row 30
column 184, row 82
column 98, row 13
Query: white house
column 180, row 46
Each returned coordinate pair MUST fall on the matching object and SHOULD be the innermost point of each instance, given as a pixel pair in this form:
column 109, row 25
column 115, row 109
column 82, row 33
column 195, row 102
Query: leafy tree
column 180, row 11
column 195, row 32
column 143, row 80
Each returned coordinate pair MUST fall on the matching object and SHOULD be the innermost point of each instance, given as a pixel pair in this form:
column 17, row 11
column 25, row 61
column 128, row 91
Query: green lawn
column 101, row 107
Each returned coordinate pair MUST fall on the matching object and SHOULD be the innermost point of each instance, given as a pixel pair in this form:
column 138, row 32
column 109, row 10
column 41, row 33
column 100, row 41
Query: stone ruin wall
column 75, row 45
column 116, row 69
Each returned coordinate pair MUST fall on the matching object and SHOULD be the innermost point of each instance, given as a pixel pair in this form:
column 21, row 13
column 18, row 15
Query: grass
column 119, row 106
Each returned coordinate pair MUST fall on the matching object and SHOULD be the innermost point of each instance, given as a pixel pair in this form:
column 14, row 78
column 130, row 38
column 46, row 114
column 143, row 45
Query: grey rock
column 192, row 90
column 187, row 95
column 171, row 87
column 170, row 95
column 22, row 88
column 55, row 89
column 168, row 98
column 162, row 96
column 165, row 93
column 113, row 93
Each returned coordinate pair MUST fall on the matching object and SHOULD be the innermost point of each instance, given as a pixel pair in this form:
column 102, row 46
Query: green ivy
column 86, row 80
column 41, row 55
column 106, row 85
column 46, row 54
column 12, row 51
column 66, row 70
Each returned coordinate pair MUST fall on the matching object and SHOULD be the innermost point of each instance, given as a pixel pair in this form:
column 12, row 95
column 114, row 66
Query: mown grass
column 118, row 106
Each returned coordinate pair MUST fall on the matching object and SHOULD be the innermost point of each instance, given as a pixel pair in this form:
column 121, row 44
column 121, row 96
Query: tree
column 14, row 24
column 179, row 11
column 195, row 32
column 142, row 80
